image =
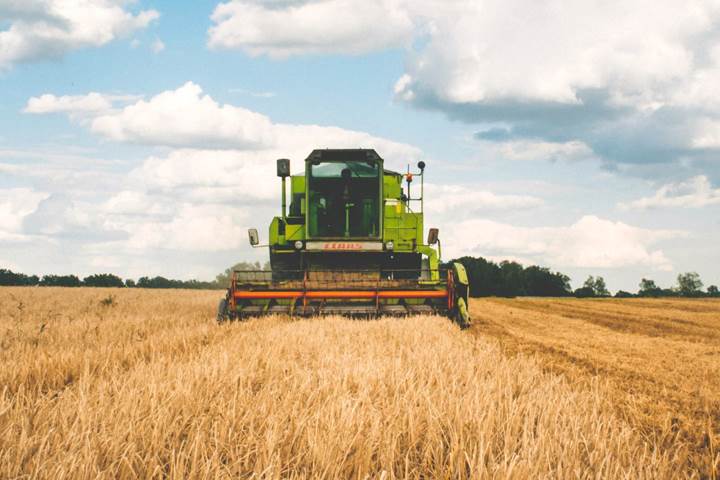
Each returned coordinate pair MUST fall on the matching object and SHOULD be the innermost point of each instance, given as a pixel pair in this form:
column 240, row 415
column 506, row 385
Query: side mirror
column 283, row 167
column 254, row 237
column 433, row 236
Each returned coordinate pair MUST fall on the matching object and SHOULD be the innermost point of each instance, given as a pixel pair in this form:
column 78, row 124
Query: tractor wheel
column 462, row 317
column 222, row 314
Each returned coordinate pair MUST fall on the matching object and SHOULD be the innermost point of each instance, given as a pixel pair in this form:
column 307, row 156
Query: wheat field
column 102, row 383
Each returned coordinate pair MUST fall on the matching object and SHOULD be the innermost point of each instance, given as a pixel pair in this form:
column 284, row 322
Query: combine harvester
column 350, row 244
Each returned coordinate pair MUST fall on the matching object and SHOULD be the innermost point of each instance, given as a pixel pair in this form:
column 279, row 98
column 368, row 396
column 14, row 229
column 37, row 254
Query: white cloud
column 707, row 133
column 308, row 27
column 444, row 199
column 485, row 51
column 61, row 168
column 45, row 29
column 210, row 175
column 701, row 88
column 157, row 46
column 134, row 203
column 199, row 227
column 107, row 262
column 626, row 80
column 540, row 150
column 246, row 177
column 59, row 215
column 482, row 51
column 694, row 193
column 186, row 118
column 590, row 242
column 15, row 205
column 71, row 104
column 76, row 106
column 8, row 264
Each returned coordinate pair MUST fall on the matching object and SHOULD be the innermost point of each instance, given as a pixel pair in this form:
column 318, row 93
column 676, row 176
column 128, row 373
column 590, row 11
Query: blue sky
column 140, row 137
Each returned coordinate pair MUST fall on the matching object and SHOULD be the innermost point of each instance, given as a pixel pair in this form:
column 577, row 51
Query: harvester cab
column 349, row 243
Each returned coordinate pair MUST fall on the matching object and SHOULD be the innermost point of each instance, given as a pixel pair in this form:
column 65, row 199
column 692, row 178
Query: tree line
column 10, row 278
column 511, row 279
column 487, row 278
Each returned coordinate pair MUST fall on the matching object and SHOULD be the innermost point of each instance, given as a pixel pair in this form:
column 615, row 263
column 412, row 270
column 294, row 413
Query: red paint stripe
column 349, row 294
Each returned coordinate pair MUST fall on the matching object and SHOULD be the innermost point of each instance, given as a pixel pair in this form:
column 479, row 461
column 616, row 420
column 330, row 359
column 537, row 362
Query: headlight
column 389, row 245
column 298, row 245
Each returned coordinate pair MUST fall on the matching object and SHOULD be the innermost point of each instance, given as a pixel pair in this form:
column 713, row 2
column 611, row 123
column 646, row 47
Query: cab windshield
column 344, row 198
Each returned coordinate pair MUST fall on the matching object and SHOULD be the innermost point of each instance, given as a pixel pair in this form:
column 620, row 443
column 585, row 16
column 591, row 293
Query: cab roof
column 344, row 155
column 347, row 155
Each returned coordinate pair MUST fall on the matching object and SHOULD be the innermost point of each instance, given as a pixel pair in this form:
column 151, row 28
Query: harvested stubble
column 147, row 385
column 659, row 360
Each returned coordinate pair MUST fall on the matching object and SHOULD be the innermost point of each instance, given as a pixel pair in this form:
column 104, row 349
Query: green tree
column 648, row 288
column 595, row 285
column 487, row 278
column 623, row 294
column 584, row 292
column 162, row 282
column 713, row 291
column 157, row 282
column 541, row 282
column 8, row 278
column 689, row 284
column 512, row 279
column 484, row 276
column 60, row 281
column 103, row 280
column 600, row 288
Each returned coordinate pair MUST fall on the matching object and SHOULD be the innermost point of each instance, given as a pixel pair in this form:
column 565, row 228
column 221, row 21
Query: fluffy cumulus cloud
column 186, row 118
column 72, row 104
column 591, row 242
column 459, row 198
column 209, row 176
column 526, row 51
column 176, row 224
column 77, row 107
column 57, row 215
column 693, row 193
column 281, row 29
column 634, row 83
column 45, row 29
column 15, row 205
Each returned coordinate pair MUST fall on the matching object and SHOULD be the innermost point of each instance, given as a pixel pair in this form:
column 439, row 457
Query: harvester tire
column 462, row 317
column 222, row 313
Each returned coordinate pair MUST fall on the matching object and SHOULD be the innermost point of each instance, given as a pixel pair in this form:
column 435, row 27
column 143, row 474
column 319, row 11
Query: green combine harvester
column 350, row 244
